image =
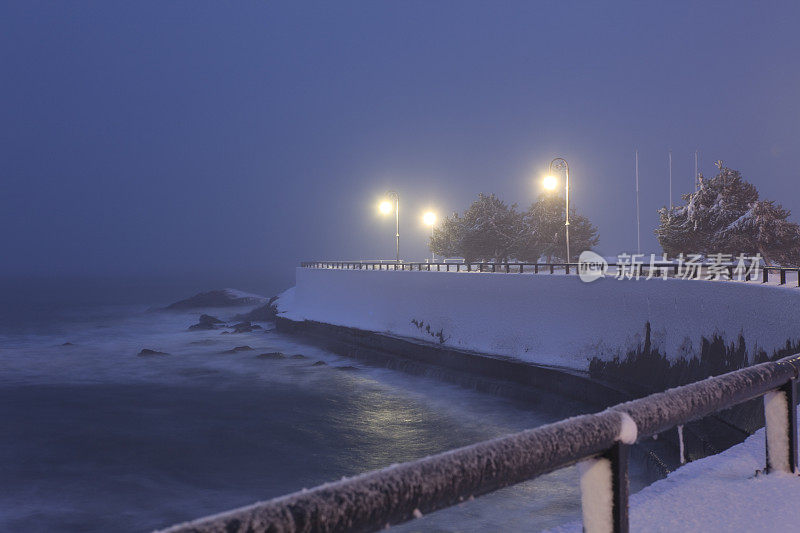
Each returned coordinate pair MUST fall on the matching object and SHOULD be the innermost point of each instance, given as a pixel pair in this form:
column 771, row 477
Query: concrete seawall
column 496, row 374
column 547, row 319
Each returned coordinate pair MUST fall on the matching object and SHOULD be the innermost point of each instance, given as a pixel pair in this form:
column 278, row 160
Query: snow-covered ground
column 719, row 493
column 548, row 319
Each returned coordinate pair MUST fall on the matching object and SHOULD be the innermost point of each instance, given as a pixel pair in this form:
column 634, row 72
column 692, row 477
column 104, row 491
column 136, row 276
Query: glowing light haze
column 230, row 140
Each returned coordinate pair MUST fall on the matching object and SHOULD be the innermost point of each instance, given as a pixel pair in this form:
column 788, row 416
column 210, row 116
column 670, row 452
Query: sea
column 94, row 437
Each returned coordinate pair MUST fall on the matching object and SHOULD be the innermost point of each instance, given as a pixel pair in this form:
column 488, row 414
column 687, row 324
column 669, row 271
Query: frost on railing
column 599, row 442
column 767, row 274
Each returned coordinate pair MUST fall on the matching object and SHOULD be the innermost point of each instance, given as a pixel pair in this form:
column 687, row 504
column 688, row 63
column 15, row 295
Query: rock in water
column 239, row 349
column 218, row 298
column 271, row 355
column 320, row 363
column 148, row 351
column 206, row 322
column 245, row 327
column 263, row 313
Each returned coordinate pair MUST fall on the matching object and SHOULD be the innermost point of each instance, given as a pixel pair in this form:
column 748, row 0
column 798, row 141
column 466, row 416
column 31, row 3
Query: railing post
column 552, row 268
column 783, row 277
column 508, row 268
column 566, row 267
column 765, row 278
column 536, row 268
column 618, row 455
column 604, row 512
column 780, row 414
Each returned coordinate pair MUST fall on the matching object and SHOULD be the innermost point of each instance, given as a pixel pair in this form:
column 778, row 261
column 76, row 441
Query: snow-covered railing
column 598, row 443
column 672, row 269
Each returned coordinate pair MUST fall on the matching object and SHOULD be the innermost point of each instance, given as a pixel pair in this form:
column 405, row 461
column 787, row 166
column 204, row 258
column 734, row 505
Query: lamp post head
column 550, row 182
column 429, row 218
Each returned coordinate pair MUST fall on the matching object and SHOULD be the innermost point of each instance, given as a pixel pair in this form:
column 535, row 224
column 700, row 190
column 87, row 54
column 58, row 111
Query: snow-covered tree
column 447, row 237
column 726, row 216
column 488, row 230
column 545, row 232
column 493, row 230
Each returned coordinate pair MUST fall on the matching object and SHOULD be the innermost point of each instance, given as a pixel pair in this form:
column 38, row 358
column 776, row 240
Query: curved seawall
column 548, row 319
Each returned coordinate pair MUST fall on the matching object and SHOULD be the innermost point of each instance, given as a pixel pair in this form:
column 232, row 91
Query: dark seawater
column 95, row 438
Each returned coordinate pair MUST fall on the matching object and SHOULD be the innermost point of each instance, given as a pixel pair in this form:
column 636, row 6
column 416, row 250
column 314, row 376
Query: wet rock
column 148, row 352
column 245, row 327
column 262, row 313
column 239, row 349
column 67, row 344
column 217, row 298
column 346, row 368
column 206, row 322
column 299, row 356
column 271, row 355
column 320, row 363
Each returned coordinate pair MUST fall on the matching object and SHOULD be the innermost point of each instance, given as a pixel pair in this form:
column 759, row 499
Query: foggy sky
column 219, row 138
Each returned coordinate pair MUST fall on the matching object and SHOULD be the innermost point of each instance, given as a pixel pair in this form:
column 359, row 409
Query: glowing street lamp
column 386, row 207
column 551, row 182
column 429, row 219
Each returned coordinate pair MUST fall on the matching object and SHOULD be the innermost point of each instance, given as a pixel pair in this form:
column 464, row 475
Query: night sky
column 231, row 139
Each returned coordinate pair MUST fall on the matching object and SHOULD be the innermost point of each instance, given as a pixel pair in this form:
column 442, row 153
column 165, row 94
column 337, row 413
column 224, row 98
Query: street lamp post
column 559, row 163
column 386, row 208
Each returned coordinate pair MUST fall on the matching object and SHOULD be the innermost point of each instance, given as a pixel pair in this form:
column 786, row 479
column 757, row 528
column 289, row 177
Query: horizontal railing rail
column 598, row 442
column 671, row 269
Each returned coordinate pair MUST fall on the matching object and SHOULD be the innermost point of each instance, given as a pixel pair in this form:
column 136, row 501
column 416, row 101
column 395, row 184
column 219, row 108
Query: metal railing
column 644, row 270
column 599, row 442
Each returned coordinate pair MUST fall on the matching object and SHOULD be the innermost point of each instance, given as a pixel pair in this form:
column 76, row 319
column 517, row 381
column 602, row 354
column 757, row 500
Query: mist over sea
column 94, row 437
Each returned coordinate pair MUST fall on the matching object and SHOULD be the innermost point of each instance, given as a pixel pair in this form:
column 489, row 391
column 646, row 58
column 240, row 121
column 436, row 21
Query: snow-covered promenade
column 721, row 493
column 547, row 319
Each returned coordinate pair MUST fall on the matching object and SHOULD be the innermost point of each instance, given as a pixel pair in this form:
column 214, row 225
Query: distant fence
column 598, row 442
column 766, row 273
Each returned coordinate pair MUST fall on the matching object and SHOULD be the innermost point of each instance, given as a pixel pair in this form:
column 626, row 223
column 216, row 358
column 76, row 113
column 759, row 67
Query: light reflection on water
column 94, row 438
